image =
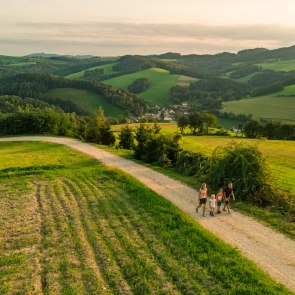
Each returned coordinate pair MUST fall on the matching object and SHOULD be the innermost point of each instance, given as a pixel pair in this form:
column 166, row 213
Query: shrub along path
column 271, row 250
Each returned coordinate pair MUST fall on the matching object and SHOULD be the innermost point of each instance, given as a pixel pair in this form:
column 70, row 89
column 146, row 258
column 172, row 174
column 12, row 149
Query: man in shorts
column 227, row 194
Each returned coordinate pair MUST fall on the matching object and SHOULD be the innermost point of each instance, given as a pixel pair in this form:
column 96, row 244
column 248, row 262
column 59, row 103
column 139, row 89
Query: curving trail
column 272, row 251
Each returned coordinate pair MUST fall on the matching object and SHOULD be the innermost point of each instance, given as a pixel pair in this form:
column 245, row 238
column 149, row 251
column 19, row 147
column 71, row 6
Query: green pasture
column 108, row 69
column 161, row 82
column 268, row 107
column 286, row 65
column 12, row 59
column 85, row 99
column 73, row 226
column 288, row 91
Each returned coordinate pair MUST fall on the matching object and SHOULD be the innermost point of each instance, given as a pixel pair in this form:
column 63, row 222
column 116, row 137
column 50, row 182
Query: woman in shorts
column 202, row 198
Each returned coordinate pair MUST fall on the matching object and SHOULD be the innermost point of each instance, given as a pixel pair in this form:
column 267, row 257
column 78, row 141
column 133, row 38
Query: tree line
column 269, row 129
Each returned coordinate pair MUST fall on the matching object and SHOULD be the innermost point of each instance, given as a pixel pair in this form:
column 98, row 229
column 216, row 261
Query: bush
column 191, row 164
column 126, row 138
column 245, row 166
column 155, row 148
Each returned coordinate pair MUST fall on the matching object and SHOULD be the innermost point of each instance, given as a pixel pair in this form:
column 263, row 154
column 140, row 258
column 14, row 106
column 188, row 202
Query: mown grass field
column 288, row 90
column 108, row 69
column 71, row 226
column 268, row 107
column 85, row 99
column 160, row 80
column 286, row 65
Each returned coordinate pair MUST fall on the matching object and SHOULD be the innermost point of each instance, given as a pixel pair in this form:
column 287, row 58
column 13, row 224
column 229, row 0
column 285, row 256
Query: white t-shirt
column 212, row 203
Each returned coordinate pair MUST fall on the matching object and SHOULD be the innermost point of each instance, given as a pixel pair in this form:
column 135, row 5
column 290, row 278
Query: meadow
column 71, row 226
column 288, row 91
column 86, row 100
column 160, row 80
column 268, row 107
column 286, row 65
column 108, row 69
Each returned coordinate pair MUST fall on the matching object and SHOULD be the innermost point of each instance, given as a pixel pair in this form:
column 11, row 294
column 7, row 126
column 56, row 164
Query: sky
column 119, row 27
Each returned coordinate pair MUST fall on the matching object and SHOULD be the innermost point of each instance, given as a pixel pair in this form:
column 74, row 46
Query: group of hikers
column 215, row 200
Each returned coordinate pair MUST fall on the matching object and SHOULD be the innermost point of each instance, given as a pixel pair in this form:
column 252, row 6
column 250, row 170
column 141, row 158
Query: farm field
column 108, row 69
column 279, row 65
column 268, row 107
column 161, row 82
column 71, row 226
column 288, row 90
column 85, row 99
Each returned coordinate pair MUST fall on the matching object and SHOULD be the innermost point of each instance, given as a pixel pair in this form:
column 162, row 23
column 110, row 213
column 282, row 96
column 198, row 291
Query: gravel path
column 272, row 251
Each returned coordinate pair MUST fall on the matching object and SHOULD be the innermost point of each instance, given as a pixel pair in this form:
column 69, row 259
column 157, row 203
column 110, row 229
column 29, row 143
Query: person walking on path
column 212, row 202
column 202, row 198
column 227, row 194
column 219, row 197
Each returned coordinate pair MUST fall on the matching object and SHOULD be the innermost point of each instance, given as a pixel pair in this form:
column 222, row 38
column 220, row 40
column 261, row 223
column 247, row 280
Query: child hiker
column 212, row 202
column 219, row 197
column 202, row 198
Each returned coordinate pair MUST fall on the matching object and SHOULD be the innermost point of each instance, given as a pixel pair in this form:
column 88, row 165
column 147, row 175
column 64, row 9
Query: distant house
column 168, row 119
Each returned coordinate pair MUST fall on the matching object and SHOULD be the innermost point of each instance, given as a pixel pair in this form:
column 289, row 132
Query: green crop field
column 85, row 99
column 279, row 65
column 268, row 107
column 288, row 91
column 108, row 69
column 71, row 226
column 161, row 82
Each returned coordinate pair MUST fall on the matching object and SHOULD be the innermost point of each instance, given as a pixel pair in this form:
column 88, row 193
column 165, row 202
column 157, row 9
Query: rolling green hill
column 268, row 107
column 108, row 69
column 279, row 65
column 160, row 80
column 85, row 99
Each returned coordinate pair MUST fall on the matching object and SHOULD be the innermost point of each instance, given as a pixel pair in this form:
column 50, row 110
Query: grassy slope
column 85, row 99
column 72, row 226
column 270, row 107
column 288, row 90
column 161, row 82
column 108, row 69
column 280, row 65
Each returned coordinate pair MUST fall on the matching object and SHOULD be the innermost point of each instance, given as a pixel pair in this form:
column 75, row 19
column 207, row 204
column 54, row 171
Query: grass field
column 268, row 107
column 288, row 91
column 85, row 99
column 161, row 82
column 71, row 226
column 279, row 65
column 108, row 69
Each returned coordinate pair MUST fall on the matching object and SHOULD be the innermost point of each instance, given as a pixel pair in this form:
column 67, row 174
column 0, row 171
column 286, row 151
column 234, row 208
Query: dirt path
column 271, row 250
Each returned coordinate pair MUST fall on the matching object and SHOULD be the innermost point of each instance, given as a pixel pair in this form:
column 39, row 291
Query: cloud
column 117, row 38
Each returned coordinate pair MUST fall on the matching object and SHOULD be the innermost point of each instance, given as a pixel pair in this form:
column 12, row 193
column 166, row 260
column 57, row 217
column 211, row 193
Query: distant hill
column 204, row 81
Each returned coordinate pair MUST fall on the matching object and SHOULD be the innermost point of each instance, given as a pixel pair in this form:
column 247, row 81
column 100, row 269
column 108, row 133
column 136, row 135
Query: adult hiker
column 202, row 197
column 228, row 192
